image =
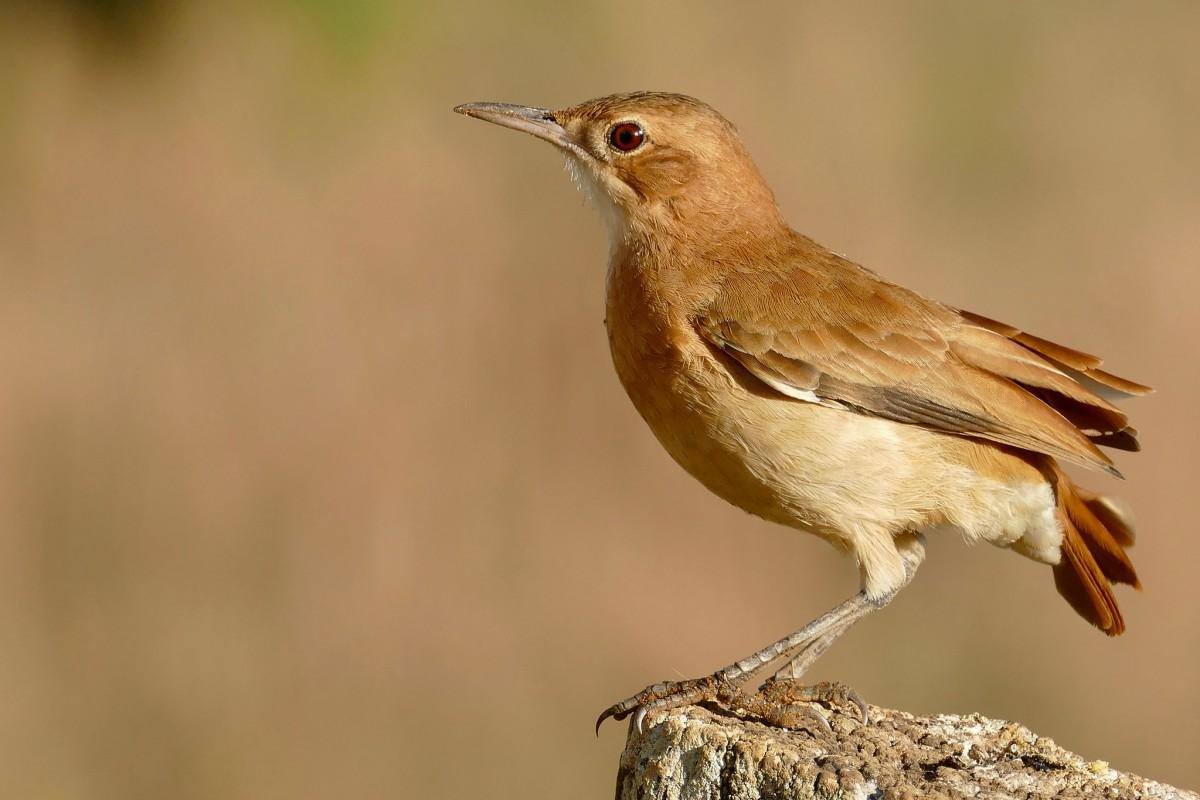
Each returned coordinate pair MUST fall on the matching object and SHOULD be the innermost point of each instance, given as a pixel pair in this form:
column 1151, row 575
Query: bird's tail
column 1095, row 535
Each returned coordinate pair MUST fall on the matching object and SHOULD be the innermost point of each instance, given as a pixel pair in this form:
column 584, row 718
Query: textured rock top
column 692, row 753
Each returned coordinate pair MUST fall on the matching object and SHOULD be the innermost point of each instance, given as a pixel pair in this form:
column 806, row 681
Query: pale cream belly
column 855, row 480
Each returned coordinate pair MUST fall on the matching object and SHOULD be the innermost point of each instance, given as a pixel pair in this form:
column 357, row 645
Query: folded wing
column 820, row 329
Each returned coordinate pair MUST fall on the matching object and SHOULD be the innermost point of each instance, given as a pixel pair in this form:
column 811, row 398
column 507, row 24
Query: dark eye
column 626, row 136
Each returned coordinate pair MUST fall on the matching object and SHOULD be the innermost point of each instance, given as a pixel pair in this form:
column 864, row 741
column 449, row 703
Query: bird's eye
column 626, row 136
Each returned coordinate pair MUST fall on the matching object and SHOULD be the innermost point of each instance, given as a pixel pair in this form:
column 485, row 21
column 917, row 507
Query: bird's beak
column 538, row 121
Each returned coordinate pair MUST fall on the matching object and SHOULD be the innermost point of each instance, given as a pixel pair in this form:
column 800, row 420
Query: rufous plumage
column 809, row 391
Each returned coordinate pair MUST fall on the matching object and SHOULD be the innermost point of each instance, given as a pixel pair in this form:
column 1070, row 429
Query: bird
column 812, row 392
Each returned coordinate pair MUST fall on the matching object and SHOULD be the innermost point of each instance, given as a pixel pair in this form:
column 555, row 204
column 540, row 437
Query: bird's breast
column 686, row 396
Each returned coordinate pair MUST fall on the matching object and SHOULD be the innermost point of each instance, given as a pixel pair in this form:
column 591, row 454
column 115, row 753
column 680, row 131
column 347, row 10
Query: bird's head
column 649, row 159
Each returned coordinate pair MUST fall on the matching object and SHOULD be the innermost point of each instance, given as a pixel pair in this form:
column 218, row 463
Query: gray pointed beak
column 537, row 121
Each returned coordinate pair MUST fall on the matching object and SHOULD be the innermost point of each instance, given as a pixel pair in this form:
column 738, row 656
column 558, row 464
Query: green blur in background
column 315, row 480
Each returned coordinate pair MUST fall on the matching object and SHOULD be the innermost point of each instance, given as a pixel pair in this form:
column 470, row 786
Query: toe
column 788, row 695
column 798, row 716
column 662, row 696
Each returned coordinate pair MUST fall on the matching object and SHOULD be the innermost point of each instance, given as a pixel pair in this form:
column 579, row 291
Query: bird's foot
column 787, row 703
column 783, row 703
column 672, row 694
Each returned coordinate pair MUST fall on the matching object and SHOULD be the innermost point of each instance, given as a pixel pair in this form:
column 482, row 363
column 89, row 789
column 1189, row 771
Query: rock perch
column 692, row 753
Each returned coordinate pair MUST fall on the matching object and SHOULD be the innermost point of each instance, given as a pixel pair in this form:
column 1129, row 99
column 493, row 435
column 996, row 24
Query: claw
column 831, row 693
column 857, row 699
column 661, row 696
column 619, row 711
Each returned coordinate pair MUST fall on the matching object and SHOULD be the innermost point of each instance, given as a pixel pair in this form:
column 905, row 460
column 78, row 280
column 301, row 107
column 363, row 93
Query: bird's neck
column 676, row 266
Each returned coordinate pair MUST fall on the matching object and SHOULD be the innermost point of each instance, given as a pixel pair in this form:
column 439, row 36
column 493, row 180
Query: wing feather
column 818, row 328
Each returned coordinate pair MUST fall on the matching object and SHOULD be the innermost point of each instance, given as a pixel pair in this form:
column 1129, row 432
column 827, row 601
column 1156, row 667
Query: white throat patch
column 585, row 179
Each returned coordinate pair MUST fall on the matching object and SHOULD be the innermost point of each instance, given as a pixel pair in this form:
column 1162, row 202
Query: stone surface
column 694, row 753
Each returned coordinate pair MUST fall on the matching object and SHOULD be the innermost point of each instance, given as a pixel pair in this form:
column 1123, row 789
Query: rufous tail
column 1095, row 535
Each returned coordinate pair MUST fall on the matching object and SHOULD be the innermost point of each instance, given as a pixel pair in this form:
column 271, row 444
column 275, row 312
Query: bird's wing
column 823, row 330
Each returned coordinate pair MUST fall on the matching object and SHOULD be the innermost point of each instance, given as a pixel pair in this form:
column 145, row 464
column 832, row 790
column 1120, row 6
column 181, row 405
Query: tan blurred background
column 315, row 479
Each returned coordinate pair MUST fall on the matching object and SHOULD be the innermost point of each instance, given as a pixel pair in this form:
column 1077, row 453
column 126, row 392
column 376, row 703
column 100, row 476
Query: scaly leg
column 807, row 654
column 802, row 647
column 723, row 686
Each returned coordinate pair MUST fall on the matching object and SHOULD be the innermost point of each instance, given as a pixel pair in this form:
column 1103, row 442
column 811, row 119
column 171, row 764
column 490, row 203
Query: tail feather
column 1081, row 584
column 1095, row 536
column 1103, row 545
column 1115, row 518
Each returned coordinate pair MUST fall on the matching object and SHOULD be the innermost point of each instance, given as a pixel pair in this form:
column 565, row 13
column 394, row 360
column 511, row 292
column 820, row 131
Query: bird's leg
column 803, row 647
column 783, row 690
column 723, row 685
column 807, row 653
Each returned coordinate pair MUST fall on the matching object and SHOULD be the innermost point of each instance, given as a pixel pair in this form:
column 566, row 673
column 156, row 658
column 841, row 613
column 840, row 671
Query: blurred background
column 315, row 478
